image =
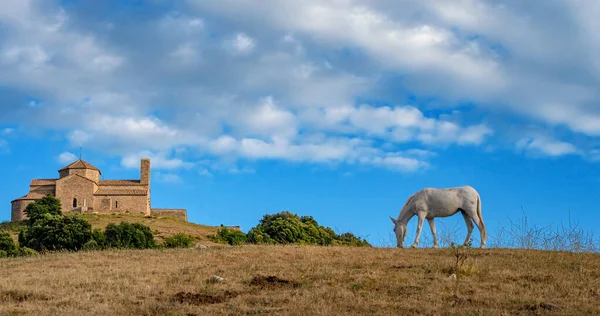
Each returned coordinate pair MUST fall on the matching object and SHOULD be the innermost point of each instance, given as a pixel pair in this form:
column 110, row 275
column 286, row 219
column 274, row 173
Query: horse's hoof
column 413, row 246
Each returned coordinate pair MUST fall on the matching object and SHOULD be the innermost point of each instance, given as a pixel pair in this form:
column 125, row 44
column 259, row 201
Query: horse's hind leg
column 469, row 226
column 433, row 232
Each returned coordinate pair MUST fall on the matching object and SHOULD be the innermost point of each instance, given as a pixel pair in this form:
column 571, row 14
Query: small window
column 116, row 204
column 74, row 202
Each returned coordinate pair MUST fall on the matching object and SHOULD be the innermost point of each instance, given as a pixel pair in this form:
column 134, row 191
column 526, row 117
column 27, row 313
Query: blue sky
column 336, row 109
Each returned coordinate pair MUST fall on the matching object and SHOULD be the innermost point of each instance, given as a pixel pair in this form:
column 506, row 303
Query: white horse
column 430, row 203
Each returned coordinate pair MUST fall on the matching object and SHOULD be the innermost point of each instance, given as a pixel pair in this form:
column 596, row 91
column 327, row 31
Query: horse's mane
column 408, row 201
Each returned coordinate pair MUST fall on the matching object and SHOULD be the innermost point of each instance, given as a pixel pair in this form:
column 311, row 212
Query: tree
column 46, row 205
column 48, row 229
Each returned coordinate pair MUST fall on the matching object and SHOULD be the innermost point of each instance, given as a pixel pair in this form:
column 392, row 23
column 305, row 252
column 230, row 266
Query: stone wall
column 169, row 212
column 39, row 191
column 132, row 204
column 75, row 187
column 18, row 209
column 145, row 171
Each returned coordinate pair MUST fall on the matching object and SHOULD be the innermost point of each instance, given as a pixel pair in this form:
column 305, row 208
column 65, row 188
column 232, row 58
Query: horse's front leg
column 421, row 216
column 432, row 226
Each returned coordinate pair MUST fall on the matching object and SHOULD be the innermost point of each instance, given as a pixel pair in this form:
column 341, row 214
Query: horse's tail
column 484, row 232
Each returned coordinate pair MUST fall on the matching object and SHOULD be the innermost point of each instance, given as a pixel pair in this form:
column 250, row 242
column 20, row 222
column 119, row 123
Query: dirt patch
column 271, row 282
column 203, row 298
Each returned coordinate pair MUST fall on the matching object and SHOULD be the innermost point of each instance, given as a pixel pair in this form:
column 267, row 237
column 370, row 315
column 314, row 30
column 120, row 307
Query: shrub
column 350, row 240
column 56, row 232
column 92, row 245
column 179, row 240
column 99, row 239
column 27, row 252
column 129, row 235
column 8, row 248
column 257, row 235
column 288, row 228
column 38, row 209
column 7, row 243
column 229, row 236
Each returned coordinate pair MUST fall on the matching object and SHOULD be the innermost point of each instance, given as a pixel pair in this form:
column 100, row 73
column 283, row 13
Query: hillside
column 301, row 280
column 161, row 226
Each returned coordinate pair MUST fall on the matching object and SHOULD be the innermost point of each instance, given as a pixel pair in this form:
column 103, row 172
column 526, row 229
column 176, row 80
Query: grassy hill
column 161, row 226
column 301, row 280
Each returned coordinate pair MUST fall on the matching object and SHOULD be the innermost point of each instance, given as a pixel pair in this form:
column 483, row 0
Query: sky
column 337, row 109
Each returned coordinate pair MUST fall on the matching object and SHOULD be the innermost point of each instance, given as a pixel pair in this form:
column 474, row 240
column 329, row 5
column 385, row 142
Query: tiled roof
column 25, row 197
column 119, row 182
column 34, row 195
column 80, row 164
column 124, row 191
column 36, row 182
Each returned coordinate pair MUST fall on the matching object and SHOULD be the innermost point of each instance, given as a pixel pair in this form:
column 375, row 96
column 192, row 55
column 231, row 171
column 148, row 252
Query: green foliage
column 129, row 235
column 27, row 252
column 99, row 239
column 229, row 236
column 8, row 248
column 257, row 235
column 179, row 240
column 92, row 245
column 7, row 243
column 48, row 205
column 350, row 240
column 288, row 228
column 56, row 232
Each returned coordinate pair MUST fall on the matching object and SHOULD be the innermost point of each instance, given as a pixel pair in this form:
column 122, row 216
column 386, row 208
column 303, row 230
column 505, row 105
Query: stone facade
column 80, row 189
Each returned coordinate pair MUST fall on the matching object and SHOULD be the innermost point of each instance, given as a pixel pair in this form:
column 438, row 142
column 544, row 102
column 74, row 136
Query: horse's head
column 400, row 231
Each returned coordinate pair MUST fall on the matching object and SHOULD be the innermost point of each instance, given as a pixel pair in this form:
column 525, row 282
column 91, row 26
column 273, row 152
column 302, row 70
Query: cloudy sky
column 339, row 109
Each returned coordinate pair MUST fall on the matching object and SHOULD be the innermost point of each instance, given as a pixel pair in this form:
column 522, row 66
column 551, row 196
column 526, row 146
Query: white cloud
column 240, row 44
column 244, row 170
column 167, row 177
column 293, row 96
column 7, row 131
column 268, row 119
column 158, row 161
column 522, row 57
column 67, row 157
column 546, row 146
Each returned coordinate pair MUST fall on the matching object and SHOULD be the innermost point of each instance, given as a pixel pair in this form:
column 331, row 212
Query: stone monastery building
column 80, row 189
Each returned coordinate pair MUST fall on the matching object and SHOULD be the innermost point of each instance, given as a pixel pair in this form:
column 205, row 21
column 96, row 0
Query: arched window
column 116, row 204
column 74, row 202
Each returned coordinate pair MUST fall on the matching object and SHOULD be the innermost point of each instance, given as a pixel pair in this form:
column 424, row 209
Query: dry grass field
column 301, row 280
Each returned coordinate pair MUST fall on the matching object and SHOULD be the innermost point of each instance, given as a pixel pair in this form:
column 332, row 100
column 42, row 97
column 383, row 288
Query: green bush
column 229, row 236
column 7, row 243
column 8, row 248
column 27, row 252
column 56, row 232
column 38, row 209
column 129, row 235
column 179, row 240
column 289, row 228
column 92, row 245
column 257, row 235
column 99, row 239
